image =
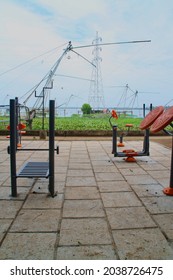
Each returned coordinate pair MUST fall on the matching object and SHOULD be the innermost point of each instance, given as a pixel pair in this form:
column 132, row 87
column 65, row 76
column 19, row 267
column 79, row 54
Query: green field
column 76, row 122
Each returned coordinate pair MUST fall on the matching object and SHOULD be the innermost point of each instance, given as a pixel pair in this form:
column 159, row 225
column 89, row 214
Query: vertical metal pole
column 114, row 140
column 144, row 110
column 43, row 111
column 171, row 170
column 51, row 146
column 13, row 143
column 17, row 121
column 169, row 190
column 146, row 143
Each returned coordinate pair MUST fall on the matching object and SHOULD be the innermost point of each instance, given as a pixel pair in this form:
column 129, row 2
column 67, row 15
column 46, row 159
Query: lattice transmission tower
column 96, row 95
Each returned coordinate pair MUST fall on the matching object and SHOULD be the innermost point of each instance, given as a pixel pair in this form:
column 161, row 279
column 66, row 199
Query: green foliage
column 4, row 122
column 86, row 109
column 87, row 122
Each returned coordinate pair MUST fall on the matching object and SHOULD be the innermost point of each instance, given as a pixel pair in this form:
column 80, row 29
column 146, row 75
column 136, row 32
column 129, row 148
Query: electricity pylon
column 96, row 96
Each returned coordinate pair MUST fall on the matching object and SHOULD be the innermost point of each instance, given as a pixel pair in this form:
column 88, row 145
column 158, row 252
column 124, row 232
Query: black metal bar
column 34, row 149
column 13, row 144
column 146, row 143
column 144, row 110
column 114, row 140
column 171, row 170
column 51, row 146
column 17, row 121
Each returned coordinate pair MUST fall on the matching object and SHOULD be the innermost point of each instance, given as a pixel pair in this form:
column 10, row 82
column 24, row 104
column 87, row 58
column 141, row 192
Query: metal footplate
column 34, row 170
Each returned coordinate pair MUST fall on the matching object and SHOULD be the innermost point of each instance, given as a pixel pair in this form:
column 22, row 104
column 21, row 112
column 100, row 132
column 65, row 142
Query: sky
column 35, row 33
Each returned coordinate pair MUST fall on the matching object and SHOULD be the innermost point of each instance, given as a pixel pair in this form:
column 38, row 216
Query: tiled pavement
column 105, row 208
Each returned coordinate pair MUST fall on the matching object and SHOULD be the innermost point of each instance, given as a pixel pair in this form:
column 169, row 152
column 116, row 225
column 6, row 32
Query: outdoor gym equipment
column 161, row 123
column 20, row 132
column 123, row 133
column 19, row 125
column 32, row 169
column 145, row 124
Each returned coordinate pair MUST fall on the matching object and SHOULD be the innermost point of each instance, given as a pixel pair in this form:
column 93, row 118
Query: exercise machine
column 162, row 123
column 130, row 154
column 32, row 169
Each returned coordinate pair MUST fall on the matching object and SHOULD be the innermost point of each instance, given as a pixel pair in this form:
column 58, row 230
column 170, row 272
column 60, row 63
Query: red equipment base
column 130, row 155
column 168, row 191
column 130, row 159
column 120, row 144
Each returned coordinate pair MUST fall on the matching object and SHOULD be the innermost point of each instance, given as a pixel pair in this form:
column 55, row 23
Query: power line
column 30, row 60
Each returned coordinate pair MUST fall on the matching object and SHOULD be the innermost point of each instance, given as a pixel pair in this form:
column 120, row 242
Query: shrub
column 86, row 109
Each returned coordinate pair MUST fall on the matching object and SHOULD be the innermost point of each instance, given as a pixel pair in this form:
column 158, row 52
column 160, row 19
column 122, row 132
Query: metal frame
column 130, row 153
column 160, row 125
column 146, row 123
column 31, row 169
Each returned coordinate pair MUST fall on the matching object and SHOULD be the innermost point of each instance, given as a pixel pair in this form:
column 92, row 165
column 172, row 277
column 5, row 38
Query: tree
column 86, row 108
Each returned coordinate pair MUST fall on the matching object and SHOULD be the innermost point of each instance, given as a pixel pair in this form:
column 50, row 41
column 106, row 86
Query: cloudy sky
column 34, row 34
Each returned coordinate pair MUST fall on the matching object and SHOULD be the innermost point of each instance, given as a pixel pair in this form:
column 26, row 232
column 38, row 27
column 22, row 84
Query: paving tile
column 28, row 246
column 94, row 252
column 107, row 168
column 160, row 158
column 158, row 205
column 36, row 221
column 142, row 244
column 21, row 182
column 120, row 199
column 9, row 208
column 165, row 223
column 60, row 169
column 5, row 193
column 5, row 169
column 4, row 176
column 129, row 217
column 4, row 225
column 79, row 160
column 83, row 208
column 82, row 193
column 79, row 173
column 164, row 181
column 59, row 177
column 132, row 171
column 80, row 181
column 86, row 231
column 43, row 201
column 152, row 166
column 98, row 156
column 159, row 173
column 102, row 163
column 142, row 179
column 79, row 166
column 79, row 153
column 114, row 186
column 108, row 176
column 42, row 187
column 148, row 190
column 4, row 156
column 121, row 163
